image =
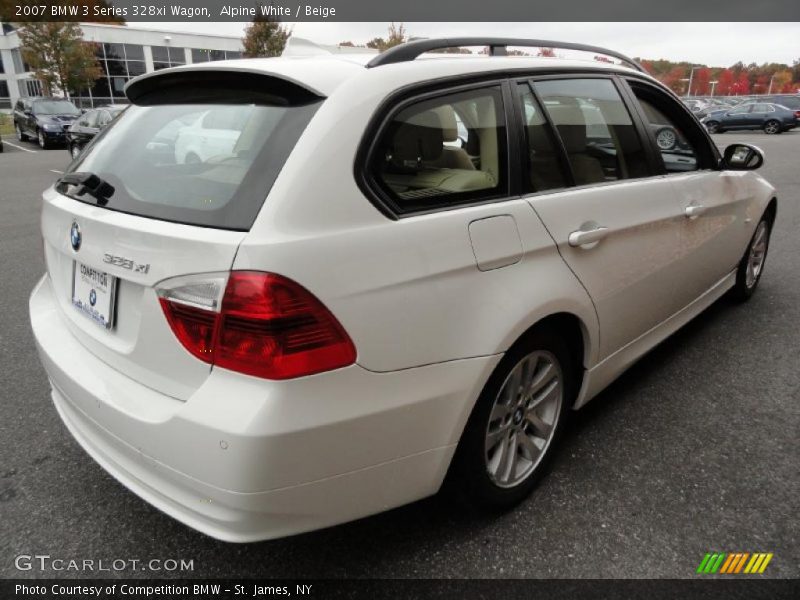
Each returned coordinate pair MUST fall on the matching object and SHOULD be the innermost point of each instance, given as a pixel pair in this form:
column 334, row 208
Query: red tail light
column 797, row 114
column 267, row 326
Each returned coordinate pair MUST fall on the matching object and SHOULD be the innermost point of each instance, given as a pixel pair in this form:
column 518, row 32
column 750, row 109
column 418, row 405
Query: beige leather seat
column 452, row 157
column 417, row 151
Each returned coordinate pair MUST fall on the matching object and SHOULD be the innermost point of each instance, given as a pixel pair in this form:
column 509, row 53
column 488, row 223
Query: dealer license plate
column 93, row 293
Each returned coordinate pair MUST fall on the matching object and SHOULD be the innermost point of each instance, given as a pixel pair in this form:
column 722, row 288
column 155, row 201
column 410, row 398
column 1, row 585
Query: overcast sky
column 714, row 44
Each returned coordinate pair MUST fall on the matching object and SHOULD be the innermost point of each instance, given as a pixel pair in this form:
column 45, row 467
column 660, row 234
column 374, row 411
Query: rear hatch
column 169, row 190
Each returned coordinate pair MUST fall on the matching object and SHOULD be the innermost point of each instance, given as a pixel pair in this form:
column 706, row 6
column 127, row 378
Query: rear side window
column 544, row 170
column 202, row 155
column 597, row 132
column 447, row 150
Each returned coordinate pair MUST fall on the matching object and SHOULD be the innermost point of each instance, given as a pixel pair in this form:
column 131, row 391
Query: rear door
column 616, row 226
column 160, row 221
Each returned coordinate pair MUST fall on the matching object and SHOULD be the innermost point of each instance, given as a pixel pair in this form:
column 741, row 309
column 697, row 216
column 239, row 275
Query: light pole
column 691, row 76
column 771, row 79
column 713, row 85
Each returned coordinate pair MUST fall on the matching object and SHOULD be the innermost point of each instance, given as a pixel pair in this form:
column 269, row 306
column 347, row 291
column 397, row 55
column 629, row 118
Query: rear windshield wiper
column 88, row 183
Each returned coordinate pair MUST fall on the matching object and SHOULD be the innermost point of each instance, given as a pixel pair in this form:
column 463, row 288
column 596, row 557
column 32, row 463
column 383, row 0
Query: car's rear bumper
column 245, row 459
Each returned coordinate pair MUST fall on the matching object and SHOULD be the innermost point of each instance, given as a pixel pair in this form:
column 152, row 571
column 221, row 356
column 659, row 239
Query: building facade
column 123, row 53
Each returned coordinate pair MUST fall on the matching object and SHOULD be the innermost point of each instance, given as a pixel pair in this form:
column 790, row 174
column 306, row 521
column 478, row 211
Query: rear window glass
column 210, row 164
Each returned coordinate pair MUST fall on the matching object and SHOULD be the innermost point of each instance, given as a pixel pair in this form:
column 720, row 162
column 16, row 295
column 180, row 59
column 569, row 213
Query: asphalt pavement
column 694, row 450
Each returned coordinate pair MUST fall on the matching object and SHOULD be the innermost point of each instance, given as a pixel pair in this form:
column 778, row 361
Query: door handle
column 582, row 238
column 694, row 210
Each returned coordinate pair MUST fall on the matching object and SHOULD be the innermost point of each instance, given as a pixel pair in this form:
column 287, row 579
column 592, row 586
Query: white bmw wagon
column 287, row 293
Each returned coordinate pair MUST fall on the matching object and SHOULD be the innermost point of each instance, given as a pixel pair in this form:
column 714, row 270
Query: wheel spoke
column 544, row 376
column 509, row 459
column 499, row 411
column 493, row 438
column 527, row 445
column 550, row 393
column 512, row 387
column 537, row 425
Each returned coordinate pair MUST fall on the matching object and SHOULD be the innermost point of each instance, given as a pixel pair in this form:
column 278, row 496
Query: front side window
column 595, row 128
column 679, row 139
column 451, row 149
column 676, row 151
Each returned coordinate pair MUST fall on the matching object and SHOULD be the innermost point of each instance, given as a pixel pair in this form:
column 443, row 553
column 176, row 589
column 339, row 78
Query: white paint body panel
column 431, row 302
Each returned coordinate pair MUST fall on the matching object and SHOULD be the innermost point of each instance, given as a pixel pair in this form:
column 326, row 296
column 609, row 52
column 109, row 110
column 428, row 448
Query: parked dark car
column 772, row 118
column 44, row 119
column 83, row 130
column 791, row 101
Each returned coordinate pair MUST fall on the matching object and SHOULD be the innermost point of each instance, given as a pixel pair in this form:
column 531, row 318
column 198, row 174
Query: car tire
column 42, row 140
column 495, row 467
column 751, row 267
column 713, row 127
column 192, row 159
column 20, row 136
column 772, row 127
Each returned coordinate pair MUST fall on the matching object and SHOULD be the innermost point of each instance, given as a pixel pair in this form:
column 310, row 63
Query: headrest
column 448, row 123
column 417, row 139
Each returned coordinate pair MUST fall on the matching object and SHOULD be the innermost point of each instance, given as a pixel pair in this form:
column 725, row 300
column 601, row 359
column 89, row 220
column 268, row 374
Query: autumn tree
column 58, row 57
column 264, row 37
column 397, row 36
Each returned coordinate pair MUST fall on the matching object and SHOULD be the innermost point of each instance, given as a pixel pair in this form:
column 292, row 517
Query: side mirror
column 742, row 157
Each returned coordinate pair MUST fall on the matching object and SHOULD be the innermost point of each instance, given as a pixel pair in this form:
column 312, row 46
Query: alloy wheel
column 523, row 419
column 712, row 127
column 772, row 127
column 666, row 139
column 41, row 139
column 19, row 132
column 74, row 151
column 757, row 254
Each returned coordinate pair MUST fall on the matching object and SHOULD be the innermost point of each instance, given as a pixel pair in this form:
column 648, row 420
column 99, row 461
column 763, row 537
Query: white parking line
column 19, row 147
column 56, row 171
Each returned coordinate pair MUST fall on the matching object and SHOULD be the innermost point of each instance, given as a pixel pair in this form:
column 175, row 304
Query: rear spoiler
column 210, row 85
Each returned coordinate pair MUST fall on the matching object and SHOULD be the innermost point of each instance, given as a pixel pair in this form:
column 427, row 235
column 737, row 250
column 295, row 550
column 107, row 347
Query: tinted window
column 164, row 163
column 422, row 162
column 544, row 167
column 741, row 109
column 597, row 132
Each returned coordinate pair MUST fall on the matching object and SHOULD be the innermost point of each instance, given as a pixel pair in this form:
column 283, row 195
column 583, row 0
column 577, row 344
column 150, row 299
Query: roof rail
column 497, row 47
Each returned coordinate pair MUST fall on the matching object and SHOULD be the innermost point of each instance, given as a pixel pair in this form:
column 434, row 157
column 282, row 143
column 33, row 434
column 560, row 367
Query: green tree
column 58, row 57
column 265, row 37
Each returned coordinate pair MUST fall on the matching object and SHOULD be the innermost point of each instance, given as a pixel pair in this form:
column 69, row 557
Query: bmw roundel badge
column 75, row 237
column 92, row 297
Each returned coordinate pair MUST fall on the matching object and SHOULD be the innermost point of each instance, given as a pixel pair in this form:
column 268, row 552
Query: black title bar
column 400, row 10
